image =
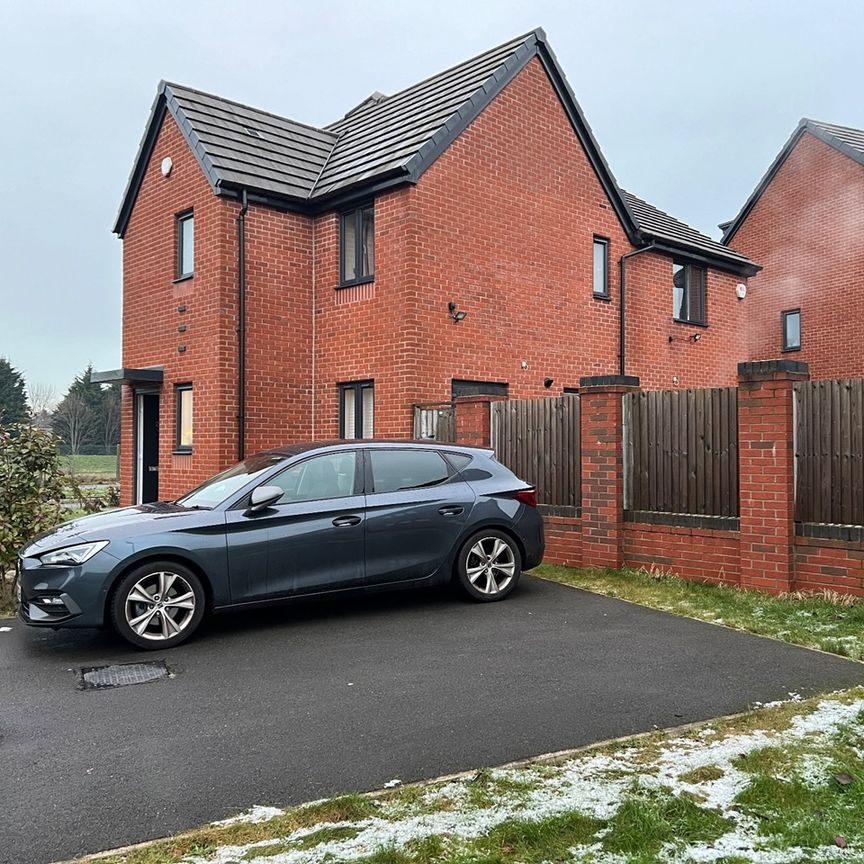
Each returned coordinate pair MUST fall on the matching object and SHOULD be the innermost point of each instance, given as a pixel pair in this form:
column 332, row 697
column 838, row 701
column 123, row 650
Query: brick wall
column 807, row 231
column 151, row 316
column 762, row 553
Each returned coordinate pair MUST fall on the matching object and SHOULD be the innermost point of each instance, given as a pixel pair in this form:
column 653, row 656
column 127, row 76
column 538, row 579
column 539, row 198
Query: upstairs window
column 601, row 268
column 357, row 246
column 185, row 245
column 183, row 441
column 791, row 329
column 357, row 409
column 688, row 293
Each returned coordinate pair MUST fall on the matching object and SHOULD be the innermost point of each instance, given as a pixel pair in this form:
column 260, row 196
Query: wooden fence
column 435, row 422
column 538, row 439
column 829, row 451
column 681, row 451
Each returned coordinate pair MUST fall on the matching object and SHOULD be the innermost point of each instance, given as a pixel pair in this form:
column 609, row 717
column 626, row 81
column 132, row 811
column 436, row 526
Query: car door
column 416, row 510
column 310, row 540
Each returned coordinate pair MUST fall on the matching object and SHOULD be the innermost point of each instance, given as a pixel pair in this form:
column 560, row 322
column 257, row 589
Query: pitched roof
column 844, row 139
column 666, row 231
column 384, row 141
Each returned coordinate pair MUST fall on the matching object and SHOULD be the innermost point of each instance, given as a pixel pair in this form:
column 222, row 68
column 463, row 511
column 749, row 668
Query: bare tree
column 42, row 398
column 109, row 420
column 73, row 421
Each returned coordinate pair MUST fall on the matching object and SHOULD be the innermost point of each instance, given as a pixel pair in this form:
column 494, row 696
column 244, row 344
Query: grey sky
column 690, row 101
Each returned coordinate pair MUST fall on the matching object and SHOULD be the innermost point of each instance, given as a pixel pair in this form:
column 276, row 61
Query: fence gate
column 435, row 422
column 538, row 439
column 829, row 451
column 681, row 451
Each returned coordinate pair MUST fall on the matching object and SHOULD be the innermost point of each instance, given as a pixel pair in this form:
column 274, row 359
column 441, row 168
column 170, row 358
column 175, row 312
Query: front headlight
column 73, row 555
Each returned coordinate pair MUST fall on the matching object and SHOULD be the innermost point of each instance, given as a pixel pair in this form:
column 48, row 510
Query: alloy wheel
column 160, row 606
column 491, row 565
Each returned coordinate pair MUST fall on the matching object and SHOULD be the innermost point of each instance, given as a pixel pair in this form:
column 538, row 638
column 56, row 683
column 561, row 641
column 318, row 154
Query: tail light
column 528, row 497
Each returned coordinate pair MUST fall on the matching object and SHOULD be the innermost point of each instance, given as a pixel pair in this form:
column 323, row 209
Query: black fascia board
column 717, row 262
column 804, row 125
column 733, row 225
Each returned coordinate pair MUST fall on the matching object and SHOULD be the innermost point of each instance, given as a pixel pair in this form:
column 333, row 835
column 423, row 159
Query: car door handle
column 346, row 521
column 451, row 510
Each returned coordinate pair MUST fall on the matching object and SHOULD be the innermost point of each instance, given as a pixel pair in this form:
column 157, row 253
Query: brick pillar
column 473, row 420
column 602, row 414
column 766, row 465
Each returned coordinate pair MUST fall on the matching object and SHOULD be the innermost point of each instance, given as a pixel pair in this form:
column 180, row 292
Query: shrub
column 31, row 487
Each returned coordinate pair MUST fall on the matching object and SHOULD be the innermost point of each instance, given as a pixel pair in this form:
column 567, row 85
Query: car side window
column 393, row 470
column 328, row 476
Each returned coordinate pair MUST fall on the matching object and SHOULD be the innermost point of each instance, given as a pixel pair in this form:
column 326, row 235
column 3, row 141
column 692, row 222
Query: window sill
column 185, row 278
column 689, row 323
column 355, row 282
column 790, row 350
column 181, row 451
column 606, row 298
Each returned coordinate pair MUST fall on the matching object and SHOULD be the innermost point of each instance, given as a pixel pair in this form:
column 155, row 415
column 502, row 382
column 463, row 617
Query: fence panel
column 435, row 422
column 829, row 451
column 681, row 451
column 538, row 439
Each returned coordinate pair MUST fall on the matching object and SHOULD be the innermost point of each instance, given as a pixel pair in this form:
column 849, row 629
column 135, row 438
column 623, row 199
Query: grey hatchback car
column 307, row 519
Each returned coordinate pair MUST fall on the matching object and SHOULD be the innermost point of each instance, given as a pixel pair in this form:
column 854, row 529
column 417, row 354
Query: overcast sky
column 690, row 102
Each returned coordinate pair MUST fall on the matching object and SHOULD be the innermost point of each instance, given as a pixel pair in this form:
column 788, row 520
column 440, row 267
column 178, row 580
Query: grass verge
column 784, row 783
column 91, row 468
column 829, row 622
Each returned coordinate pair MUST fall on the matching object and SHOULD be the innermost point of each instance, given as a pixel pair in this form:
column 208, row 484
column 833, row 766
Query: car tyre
column 488, row 566
column 158, row 605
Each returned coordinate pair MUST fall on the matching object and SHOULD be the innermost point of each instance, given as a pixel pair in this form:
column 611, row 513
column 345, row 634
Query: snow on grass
column 704, row 766
column 252, row 816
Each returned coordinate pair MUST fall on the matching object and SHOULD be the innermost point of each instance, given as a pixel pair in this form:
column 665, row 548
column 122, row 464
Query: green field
column 91, row 466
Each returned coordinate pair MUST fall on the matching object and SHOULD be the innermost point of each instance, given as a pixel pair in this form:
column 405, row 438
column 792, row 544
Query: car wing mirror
column 263, row 497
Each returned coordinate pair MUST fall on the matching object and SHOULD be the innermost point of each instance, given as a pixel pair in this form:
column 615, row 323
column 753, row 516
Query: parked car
column 315, row 518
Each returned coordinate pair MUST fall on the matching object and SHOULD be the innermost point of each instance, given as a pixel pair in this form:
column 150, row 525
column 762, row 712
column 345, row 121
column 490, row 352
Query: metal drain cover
column 122, row 674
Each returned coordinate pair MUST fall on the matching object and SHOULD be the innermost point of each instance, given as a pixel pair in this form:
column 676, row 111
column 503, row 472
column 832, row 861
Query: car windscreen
column 217, row 489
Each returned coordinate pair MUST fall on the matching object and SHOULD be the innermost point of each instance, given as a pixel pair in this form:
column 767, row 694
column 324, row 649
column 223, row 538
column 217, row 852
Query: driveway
column 309, row 700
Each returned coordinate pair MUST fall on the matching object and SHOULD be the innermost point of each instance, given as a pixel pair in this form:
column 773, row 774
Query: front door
column 146, row 448
column 310, row 540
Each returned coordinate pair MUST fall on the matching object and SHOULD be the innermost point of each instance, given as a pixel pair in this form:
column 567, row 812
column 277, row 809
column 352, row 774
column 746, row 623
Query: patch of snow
column 252, row 816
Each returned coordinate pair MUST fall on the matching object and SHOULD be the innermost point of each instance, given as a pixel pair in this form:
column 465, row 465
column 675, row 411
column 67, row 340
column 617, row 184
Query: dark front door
column 415, row 512
column 147, row 446
column 310, row 540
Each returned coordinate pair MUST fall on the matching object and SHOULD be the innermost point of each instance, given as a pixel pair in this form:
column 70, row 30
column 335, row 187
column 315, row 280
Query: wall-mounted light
column 740, row 290
column 695, row 337
column 548, row 382
column 456, row 316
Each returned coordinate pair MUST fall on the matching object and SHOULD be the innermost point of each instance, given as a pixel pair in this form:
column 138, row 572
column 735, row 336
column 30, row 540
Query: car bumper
column 530, row 527
column 63, row 596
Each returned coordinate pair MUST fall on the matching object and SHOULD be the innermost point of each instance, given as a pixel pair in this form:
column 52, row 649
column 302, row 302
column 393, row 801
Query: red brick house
column 462, row 236
column 804, row 223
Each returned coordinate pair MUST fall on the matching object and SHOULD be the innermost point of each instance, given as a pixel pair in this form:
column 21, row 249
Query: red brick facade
column 502, row 224
column 807, row 231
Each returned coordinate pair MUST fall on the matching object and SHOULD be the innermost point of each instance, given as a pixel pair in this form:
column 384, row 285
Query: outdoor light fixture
column 695, row 337
column 548, row 382
column 456, row 316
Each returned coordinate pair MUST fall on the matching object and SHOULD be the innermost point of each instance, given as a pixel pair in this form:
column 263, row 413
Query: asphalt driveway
column 310, row 700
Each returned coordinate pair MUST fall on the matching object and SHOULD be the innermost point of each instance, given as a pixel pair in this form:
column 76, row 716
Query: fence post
column 602, row 444
column 766, row 463
column 474, row 420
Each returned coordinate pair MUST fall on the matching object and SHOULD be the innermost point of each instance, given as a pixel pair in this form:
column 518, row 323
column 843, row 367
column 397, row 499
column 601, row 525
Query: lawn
column 781, row 783
column 829, row 622
column 95, row 467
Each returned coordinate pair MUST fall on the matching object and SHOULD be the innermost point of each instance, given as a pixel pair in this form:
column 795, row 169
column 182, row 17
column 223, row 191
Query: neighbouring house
column 464, row 236
column 804, row 223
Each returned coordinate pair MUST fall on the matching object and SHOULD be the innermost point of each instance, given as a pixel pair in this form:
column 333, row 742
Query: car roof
column 374, row 443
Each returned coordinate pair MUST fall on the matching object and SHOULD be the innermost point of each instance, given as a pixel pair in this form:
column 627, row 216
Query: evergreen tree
column 13, row 399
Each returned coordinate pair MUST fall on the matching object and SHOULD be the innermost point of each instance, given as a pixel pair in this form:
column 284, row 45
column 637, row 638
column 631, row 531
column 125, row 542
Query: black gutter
column 622, row 316
column 241, row 327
